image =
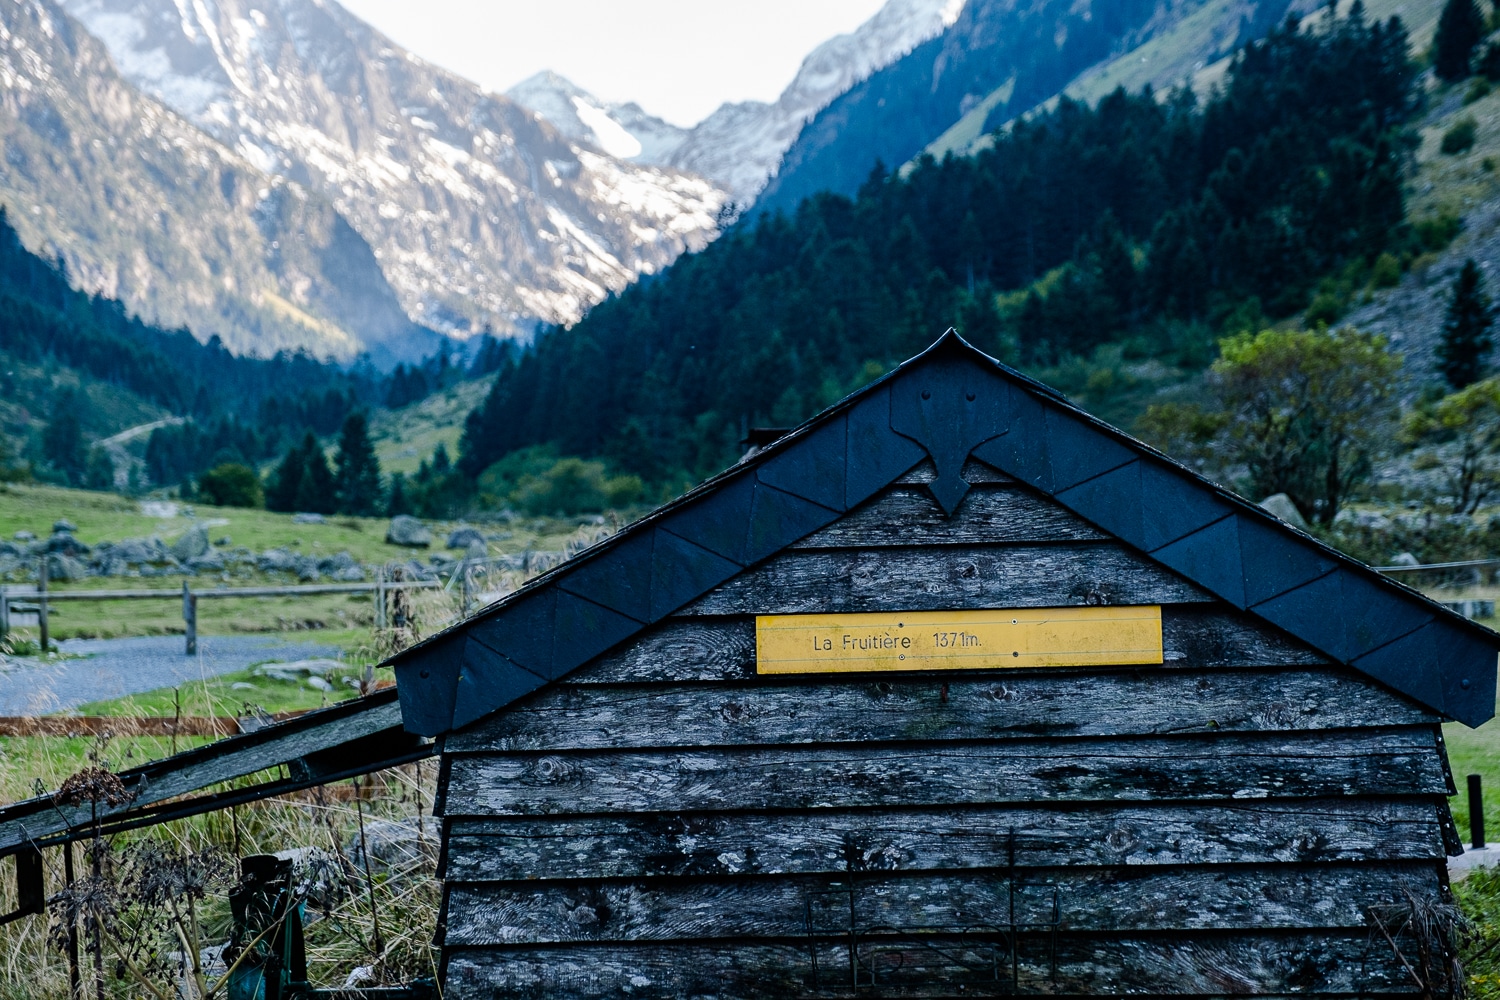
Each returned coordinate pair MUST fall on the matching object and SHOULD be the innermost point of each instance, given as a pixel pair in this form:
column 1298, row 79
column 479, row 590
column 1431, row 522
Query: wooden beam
column 1393, row 762
column 908, row 515
column 353, row 737
column 714, row 649
column 834, row 841
column 940, row 578
column 1208, row 964
column 771, row 907
column 1061, row 703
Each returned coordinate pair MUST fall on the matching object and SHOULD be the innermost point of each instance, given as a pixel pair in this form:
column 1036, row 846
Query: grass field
column 336, row 618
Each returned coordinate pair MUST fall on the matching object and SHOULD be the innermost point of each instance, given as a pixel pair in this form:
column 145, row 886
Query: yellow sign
column 958, row 640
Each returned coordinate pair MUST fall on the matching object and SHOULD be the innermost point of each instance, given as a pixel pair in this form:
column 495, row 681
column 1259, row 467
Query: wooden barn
column 953, row 690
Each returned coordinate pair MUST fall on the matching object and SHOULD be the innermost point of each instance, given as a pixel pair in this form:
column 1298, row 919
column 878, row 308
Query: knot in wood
column 551, row 771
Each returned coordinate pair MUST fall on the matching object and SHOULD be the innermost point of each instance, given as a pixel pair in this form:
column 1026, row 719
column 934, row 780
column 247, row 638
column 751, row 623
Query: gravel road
column 113, row 668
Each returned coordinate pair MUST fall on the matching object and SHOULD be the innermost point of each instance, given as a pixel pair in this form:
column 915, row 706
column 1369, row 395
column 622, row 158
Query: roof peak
column 948, row 403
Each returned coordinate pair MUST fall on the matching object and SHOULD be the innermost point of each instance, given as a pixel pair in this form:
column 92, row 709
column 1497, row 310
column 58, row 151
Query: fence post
column 4, row 612
column 1476, row 812
column 380, row 597
column 464, row 590
column 190, row 618
column 41, row 603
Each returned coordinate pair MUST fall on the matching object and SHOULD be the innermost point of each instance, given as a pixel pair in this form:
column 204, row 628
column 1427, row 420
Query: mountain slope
column 1137, row 227
column 1000, row 58
column 740, row 144
column 145, row 208
column 478, row 212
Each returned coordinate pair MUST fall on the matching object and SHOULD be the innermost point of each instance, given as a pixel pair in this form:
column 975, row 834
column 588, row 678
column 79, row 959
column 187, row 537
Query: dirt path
column 113, row 668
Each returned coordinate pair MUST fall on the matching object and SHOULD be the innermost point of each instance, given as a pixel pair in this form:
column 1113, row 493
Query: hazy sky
column 678, row 59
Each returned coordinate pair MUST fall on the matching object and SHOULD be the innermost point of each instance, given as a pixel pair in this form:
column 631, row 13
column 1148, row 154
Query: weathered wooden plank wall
column 665, row 823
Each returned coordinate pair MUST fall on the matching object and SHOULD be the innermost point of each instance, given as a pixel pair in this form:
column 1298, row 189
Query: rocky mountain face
column 999, row 59
column 479, row 213
column 740, row 145
column 142, row 206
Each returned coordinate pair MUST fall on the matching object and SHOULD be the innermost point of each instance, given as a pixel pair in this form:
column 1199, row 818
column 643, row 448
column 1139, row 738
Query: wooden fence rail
column 41, row 600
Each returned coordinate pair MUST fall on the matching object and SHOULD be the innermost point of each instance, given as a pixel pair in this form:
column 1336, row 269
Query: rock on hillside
column 144, row 207
column 1411, row 314
column 999, row 59
column 478, row 211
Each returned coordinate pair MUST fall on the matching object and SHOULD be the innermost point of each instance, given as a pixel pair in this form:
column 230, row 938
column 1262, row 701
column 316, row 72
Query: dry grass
column 378, row 918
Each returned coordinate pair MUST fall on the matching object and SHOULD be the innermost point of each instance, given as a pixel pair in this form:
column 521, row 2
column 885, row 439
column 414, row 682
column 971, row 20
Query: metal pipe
column 1476, row 811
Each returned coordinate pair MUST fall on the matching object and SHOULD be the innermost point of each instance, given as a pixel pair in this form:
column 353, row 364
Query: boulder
column 477, row 551
column 276, row 561
column 1281, row 505
column 192, row 544
column 353, row 574
column 395, row 846
column 209, row 562
column 11, row 549
column 308, row 519
column 416, row 571
column 25, row 536
column 65, row 567
column 223, row 541
column 307, row 569
column 464, row 537
column 1405, row 559
column 63, row 524
column 335, row 564
column 65, row 544
column 408, row 531
column 139, row 550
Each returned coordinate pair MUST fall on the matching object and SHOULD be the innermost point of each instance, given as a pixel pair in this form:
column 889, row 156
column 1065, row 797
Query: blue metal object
column 265, row 948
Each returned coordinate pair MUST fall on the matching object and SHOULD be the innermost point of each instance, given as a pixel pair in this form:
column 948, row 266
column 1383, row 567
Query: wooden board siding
column 836, row 841
column 665, row 823
column 1175, row 964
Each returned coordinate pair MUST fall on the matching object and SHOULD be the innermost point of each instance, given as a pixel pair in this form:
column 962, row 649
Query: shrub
column 1436, row 231
column 1460, row 136
column 1387, row 271
column 231, row 485
column 574, row 486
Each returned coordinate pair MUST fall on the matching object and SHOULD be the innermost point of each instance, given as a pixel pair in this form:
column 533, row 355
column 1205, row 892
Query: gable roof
column 948, row 403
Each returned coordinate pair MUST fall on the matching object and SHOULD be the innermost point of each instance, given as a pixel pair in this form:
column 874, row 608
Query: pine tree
column 1459, row 31
column 62, row 441
column 286, row 482
column 398, row 502
column 1466, row 329
column 357, row 475
column 315, row 494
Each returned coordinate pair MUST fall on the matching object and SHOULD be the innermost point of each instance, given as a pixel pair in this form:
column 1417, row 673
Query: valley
column 476, row 390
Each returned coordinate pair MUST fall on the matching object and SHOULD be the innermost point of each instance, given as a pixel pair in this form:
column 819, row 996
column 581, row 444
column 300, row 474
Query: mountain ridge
column 740, row 144
column 144, row 207
column 480, row 215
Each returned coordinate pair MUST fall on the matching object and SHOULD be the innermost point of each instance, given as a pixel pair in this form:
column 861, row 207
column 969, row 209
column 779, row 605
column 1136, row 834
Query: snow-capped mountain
column 479, row 211
column 622, row 130
column 143, row 207
column 740, row 144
